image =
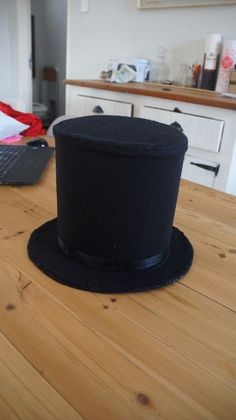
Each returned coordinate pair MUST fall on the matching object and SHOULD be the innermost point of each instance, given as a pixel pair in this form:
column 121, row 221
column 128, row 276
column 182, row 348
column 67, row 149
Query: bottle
column 227, row 62
column 211, row 61
column 162, row 69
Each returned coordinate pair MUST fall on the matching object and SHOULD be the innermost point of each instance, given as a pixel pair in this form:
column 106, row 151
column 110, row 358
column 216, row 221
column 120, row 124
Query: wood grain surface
column 71, row 354
column 158, row 90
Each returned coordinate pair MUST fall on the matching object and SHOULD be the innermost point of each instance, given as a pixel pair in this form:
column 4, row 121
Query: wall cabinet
column 211, row 131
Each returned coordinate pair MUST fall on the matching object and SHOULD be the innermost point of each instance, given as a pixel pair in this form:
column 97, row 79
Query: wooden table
column 70, row 354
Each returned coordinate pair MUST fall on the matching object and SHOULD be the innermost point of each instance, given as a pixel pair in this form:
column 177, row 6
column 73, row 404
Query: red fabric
column 32, row 120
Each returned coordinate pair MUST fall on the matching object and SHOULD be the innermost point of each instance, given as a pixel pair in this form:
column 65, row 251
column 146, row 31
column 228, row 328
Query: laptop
column 22, row 165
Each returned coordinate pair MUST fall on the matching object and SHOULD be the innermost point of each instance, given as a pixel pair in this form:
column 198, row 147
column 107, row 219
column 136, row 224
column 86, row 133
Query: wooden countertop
column 70, row 354
column 177, row 93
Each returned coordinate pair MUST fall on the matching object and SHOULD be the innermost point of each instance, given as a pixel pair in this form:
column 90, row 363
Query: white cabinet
column 200, row 170
column 82, row 105
column 211, row 156
column 202, row 132
column 89, row 106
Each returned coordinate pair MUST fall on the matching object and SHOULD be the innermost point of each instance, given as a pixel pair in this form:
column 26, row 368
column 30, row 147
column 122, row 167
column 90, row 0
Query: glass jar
column 184, row 75
column 162, row 69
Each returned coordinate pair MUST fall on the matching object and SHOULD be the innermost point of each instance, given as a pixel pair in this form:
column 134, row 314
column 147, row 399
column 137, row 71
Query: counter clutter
column 219, row 61
column 70, row 354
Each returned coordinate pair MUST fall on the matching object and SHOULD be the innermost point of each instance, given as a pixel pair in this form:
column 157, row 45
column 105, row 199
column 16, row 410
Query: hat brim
column 44, row 251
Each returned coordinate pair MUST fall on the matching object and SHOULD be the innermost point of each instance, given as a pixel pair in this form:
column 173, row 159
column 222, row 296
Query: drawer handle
column 98, row 110
column 177, row 110
column 214, row 169
column 177, row 125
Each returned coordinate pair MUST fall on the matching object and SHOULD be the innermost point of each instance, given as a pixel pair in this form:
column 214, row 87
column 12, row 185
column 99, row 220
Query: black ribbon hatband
column 107, row 264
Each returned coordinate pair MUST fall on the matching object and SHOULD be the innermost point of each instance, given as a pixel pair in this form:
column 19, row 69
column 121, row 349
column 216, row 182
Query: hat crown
column 123, row 135
column 117, row 186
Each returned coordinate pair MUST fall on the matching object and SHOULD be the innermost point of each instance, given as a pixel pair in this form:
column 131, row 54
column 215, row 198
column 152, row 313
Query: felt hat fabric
column 117, row 186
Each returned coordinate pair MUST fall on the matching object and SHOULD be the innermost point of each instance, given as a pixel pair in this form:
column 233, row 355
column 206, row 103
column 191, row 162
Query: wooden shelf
column 178, row 93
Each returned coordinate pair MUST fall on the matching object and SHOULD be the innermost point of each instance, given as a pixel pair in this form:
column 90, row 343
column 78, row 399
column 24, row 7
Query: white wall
column 15, row 72
column 116, row 28
column 8, row 79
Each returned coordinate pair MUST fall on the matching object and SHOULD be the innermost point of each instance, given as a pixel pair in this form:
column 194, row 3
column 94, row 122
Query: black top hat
column 117, row 186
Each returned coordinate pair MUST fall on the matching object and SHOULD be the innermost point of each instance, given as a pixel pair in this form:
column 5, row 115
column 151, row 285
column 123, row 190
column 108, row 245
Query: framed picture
column 160, row 4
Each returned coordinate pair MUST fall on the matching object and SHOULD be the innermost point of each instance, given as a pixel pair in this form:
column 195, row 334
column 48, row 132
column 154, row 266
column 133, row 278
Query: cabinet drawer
column 203, row 133
column 87, row 105
column 199, row 170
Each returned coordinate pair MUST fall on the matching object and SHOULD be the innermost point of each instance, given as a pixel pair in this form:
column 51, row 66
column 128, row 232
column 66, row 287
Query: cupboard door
column 199, row 170
column 87, row 105
column 202, row 133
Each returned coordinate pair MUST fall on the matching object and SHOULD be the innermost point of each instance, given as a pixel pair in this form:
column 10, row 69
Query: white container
column 142, row 68
column 227, row 62
column 212, row 50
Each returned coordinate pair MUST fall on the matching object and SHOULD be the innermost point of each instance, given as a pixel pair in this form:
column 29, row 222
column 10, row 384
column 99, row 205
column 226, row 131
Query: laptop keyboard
column 9, row 155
